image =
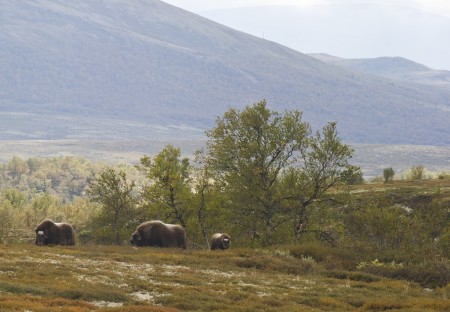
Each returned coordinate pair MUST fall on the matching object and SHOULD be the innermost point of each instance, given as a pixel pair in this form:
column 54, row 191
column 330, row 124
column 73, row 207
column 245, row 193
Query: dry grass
column 110, row 278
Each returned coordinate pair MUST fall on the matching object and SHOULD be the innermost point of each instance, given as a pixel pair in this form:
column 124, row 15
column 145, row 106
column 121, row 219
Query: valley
column 371, row 158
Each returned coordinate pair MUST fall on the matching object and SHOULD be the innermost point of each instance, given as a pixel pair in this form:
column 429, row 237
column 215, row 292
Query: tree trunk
column 200, row 219
column 300, row 223
column 115, row 227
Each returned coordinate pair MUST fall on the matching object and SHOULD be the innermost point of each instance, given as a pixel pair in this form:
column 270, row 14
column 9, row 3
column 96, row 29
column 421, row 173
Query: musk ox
column 50, row 233
column 159, row 234
column 220, row 241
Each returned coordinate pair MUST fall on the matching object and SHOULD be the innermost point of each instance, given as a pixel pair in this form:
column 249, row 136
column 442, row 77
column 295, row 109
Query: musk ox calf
column 220, row 241
column 50, row 233
column 159, row 234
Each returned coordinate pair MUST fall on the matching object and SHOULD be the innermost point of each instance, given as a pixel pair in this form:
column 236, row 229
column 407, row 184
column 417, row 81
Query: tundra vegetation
column 305, row 236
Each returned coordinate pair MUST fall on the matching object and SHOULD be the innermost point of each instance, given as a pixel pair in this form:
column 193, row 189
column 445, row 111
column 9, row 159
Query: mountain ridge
column 396, row 68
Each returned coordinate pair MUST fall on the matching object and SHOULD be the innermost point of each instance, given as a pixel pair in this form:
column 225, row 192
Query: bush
column 388, row 174
column 417, row 172
column 278, row 261
column 330, row 257
column 433, row 274
column 444, row 243
column 384, row 305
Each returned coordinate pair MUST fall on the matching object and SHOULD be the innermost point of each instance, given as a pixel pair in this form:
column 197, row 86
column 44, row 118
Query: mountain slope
column 396, row 68
column 144, row 69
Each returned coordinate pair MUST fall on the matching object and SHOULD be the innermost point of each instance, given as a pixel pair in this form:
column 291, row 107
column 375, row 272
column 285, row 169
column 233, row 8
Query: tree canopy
column 168, row 195
column 254, row 152
column 114, row 192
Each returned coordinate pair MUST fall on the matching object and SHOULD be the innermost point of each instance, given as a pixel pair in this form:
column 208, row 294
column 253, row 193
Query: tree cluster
column 259, row 176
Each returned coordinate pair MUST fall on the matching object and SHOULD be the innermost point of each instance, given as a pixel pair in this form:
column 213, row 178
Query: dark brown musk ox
column 159, row 234
column 51, row 233
column 220, row 241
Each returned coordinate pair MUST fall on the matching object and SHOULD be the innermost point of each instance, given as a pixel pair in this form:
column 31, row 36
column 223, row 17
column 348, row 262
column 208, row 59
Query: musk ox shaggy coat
column 220, row 241
column 159, row 234
column 50, row 233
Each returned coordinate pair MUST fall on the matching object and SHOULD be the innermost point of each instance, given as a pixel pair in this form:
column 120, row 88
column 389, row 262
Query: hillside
column 396, row 68
column 135, row 69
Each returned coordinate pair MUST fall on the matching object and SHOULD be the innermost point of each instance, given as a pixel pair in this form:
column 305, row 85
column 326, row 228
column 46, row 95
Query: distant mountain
column 122, row 69
column 396, row 68
column 352, row 29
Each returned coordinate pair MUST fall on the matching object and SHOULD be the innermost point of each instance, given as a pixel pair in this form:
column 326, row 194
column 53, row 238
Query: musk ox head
column 43, row 230
column 41, row 237
column 226, row 240
column 136, row 239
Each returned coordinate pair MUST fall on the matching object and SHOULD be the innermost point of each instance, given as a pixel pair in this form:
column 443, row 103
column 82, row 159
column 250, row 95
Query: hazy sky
column 425, row 40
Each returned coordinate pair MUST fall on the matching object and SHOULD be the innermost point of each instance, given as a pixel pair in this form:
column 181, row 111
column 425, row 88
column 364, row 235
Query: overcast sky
column 421, row 38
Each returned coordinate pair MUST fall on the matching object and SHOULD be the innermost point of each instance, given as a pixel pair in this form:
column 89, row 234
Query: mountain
column 129, row 69
column 396, row 68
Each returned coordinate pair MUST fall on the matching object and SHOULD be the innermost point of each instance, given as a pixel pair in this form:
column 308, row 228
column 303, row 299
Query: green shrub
column 432, row 274
column 330, row 257
column 277, row 263
column 383, row 305
column 388, row 174
column 443, row 243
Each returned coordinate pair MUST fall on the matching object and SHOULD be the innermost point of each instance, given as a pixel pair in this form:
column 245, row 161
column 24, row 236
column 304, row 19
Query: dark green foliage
column 398, row 224
column 99, row 293
column 169, row 195
column 430, row 274
column 273, row 169
column 247, row 151
column 22, row 289
column 352, row 176
column 388, row 174
column 444, row 242
column 114, row 192
column 277, row 261
column 332, row 257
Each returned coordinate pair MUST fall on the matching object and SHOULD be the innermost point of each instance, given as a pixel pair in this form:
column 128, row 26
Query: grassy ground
column 124, row 278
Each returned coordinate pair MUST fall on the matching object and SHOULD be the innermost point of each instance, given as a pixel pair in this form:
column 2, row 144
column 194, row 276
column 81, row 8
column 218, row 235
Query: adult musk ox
column 220, row 241
column 49, row 233
column 159, row 234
